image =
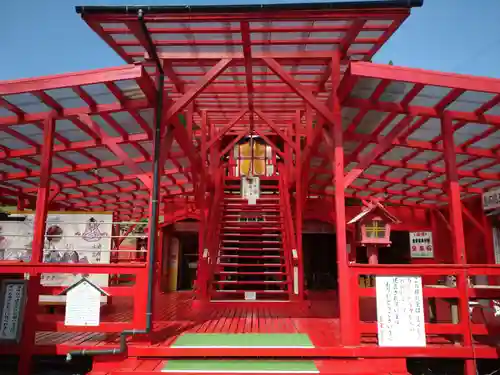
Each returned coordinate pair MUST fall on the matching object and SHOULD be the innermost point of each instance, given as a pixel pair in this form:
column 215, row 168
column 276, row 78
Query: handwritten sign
column 400, row 311
column 12, row 309
column 83, row 306
column 421, row 245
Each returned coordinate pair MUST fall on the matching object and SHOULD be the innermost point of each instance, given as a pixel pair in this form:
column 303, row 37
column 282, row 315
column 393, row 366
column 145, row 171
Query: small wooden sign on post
column 83, row 304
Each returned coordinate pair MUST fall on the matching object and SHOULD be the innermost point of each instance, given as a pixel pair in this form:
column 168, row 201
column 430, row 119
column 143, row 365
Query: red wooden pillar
column 201, row 282
column 189, row 121
column 42, row 207
column 457, row 235
column 298, row 204
column 347, row 320
column 372, row 254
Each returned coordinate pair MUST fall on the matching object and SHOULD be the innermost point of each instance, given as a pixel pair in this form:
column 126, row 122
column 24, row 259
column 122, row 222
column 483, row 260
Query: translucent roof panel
column 358, row 31
column 398, row 127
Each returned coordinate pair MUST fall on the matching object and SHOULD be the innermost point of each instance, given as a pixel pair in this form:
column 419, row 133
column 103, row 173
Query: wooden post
column 457, row 237
column 298, row 205
column 347, row 320
column 42, row 206
column 372, row 252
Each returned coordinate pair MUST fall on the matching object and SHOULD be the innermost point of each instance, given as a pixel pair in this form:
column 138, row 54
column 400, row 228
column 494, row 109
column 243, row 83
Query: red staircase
column 252, row 263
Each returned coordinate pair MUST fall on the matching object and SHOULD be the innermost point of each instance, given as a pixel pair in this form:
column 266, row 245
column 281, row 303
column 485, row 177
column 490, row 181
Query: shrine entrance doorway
column 320, row 261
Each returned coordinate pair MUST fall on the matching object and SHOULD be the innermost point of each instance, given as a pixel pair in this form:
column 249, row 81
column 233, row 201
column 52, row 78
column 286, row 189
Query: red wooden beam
column 118, row 151
column 273, row 126
column 474, row 221
column 270, row 143
column 379, row 149
column 299, row 89
column 69, row 80
column 230, row 146
column 224, row 130
column 398, row 108
column 247, row 54
column 193, row 91
column 426, row 77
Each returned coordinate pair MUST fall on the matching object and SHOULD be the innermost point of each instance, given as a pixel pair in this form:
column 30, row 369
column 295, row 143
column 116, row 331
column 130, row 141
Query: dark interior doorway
column 397, row 253
column 188, row 260
column 320, row 261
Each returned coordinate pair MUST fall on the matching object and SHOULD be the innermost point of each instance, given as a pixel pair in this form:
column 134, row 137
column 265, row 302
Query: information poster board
column 70, row 238
column 400, row 311
column 421, row 245
column 13, row 299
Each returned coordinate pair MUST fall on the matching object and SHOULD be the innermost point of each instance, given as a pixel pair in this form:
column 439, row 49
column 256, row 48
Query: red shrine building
column 249, row 193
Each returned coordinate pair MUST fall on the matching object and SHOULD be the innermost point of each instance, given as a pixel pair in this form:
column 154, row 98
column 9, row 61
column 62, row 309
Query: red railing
column 211, row 236
column 288, row 230
column 458, row 297
column 55, row 322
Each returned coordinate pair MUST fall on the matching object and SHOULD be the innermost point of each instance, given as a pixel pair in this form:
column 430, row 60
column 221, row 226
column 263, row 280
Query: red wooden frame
column 317, row 126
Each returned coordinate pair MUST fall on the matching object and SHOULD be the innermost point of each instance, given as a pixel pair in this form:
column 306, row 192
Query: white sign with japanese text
column 12, row 309
column 421, row 245
column 400, row 311
column 83, row 306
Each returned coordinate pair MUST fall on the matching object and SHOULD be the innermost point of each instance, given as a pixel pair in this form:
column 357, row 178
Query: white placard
column 421, row 245
column 250, row 296
column 12, row 307
column 250, row 189
column 83, row 306
column 77, row 238
column 491, row 200
column 400, row 311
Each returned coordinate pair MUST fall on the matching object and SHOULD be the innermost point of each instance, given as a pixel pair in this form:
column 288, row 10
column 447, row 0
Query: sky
column 41, row 37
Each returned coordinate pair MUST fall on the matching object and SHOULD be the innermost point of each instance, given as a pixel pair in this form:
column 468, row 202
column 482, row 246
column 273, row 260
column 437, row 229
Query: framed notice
column 421, row 245
column 400, row 311
column 13, row 299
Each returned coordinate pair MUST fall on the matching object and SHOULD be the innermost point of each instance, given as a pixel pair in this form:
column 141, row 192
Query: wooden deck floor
column 176, row 314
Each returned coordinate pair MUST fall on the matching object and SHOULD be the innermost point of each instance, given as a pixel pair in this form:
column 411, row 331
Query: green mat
column 240, row 366
column 243, row 340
